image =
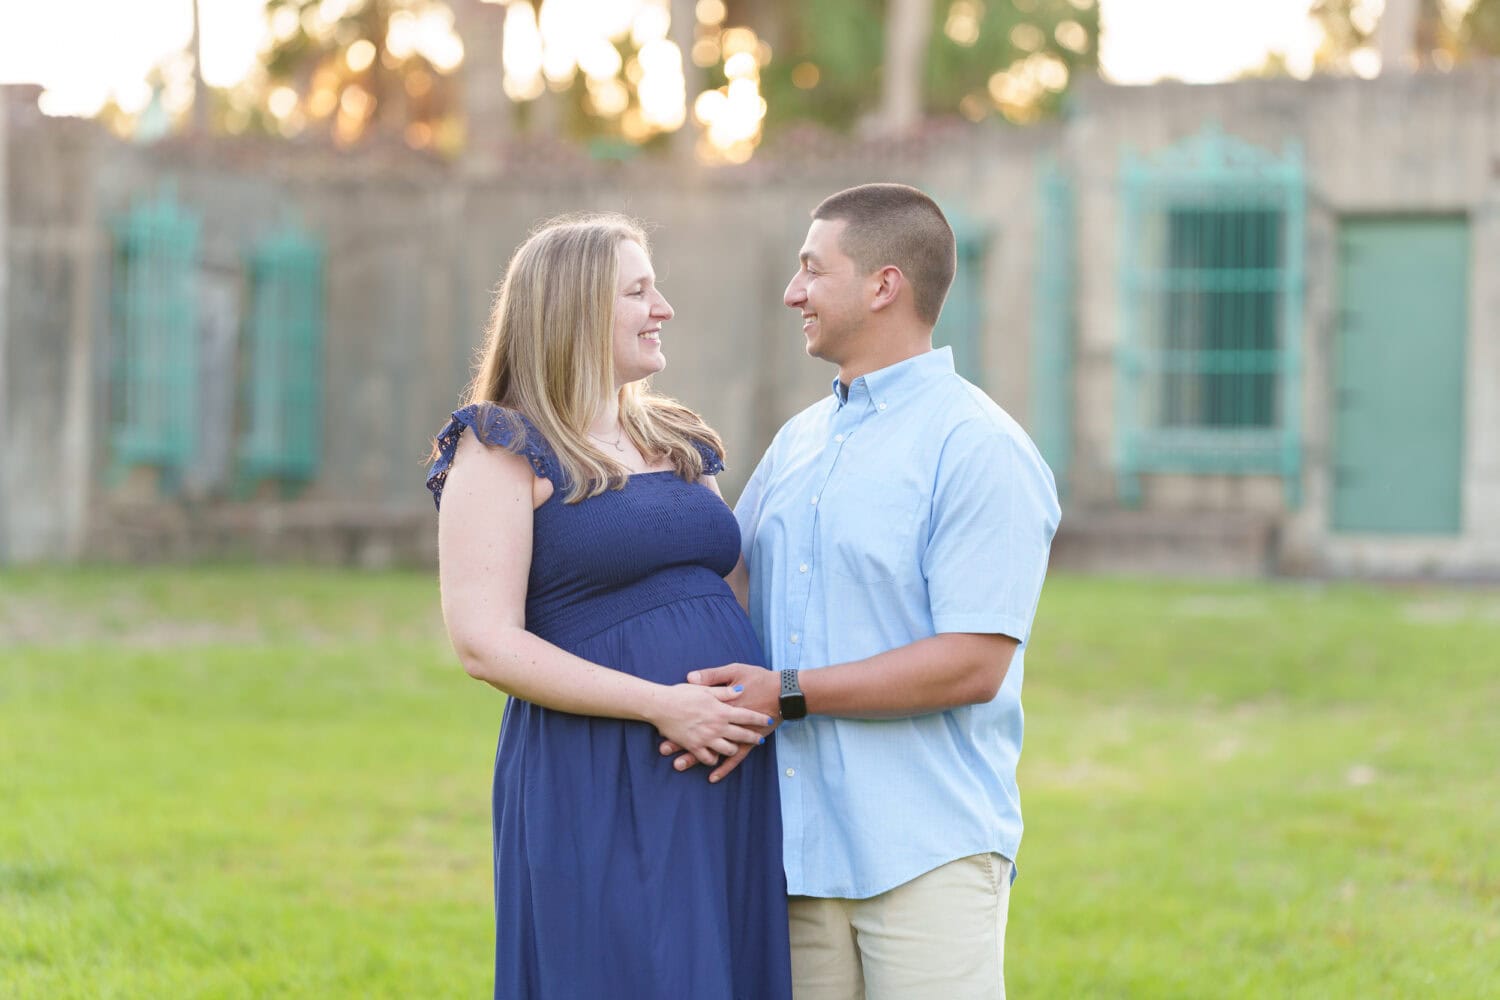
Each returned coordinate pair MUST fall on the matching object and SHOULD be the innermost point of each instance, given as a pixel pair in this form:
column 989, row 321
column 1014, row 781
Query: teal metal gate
column 1053, row 326
column 1211, row 292
column 961, row 324
column 283, row 391
column 154, row 319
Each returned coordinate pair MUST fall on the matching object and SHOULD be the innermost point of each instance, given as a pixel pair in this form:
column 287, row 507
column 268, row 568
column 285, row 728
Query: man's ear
column 889, row 281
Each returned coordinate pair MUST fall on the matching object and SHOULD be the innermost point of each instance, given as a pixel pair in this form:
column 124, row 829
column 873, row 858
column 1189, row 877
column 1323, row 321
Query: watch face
column 792, row 703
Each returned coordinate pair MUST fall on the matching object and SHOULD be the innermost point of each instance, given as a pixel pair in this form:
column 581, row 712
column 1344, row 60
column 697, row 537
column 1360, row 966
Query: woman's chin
column 644, row 370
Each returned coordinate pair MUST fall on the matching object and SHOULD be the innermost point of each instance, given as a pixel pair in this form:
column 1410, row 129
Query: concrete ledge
column 1166, row 543
column 313, row 531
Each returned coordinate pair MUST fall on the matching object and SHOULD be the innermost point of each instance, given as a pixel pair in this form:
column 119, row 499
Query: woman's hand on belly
column 753, row 686
column 702, row 721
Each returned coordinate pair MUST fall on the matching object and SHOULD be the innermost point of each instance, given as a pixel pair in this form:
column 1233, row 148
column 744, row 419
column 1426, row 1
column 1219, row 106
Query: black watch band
column 793, row 702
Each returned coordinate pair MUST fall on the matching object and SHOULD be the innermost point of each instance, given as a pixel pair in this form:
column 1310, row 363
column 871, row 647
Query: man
column 896, row 536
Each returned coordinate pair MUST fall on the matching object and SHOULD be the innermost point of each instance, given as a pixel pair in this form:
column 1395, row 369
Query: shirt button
column 794, row 637
column 815, row 498
column 802, row 568
column 791, row 772
column 838, row 437
column 879, row 406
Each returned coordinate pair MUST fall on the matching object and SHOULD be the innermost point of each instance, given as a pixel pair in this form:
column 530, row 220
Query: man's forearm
column 928, row 675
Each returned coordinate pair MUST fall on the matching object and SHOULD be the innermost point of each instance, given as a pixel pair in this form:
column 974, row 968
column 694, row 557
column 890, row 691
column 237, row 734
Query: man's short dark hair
column 896, row 225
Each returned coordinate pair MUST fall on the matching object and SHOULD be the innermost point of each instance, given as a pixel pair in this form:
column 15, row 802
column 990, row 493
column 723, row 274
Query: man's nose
column 795, row 295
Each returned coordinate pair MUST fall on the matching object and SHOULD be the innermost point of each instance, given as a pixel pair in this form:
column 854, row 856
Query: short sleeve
column 496, row 426
column 994, row 513
column 713, row 462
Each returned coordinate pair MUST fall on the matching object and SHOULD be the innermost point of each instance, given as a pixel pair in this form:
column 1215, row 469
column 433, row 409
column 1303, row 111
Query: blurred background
column 1224, row 260
column 1232, row 264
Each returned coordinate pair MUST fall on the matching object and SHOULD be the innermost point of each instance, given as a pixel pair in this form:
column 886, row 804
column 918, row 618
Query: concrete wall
column 415, row 247
column 51, row 245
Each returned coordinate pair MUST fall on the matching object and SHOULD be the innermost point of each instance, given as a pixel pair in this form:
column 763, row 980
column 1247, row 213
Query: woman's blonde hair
column 549, row 353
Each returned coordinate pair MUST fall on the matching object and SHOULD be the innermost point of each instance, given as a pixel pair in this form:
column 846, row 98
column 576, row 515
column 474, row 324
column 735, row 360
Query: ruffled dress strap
column 494, row 425
column 713, row 462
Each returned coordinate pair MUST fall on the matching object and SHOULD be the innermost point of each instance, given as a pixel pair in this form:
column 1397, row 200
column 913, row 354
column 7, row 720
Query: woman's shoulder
column 496, row 426
column 713, row 456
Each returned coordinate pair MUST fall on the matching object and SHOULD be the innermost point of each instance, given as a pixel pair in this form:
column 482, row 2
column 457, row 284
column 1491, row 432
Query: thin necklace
column 615, row 443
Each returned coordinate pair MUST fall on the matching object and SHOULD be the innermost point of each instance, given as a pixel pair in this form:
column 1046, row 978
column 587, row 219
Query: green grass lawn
column 248, row 783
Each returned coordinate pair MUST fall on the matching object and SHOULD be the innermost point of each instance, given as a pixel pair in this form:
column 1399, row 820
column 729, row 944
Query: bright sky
column 84, row 50
column 1201, row 41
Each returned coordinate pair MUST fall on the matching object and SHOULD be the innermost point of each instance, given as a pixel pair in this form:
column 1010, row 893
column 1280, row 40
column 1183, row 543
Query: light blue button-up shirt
column 915, row 506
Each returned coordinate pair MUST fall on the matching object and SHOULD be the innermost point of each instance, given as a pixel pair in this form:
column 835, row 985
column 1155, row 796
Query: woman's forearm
column 700, row 719
column 523, row 665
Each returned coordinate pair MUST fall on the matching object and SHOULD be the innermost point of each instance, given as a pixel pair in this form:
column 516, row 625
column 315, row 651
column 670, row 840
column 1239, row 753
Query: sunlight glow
column 88, row 52
column 522, row 54
column 401, row 34
column 732, row 115
column 360, row 55
column 962, row 24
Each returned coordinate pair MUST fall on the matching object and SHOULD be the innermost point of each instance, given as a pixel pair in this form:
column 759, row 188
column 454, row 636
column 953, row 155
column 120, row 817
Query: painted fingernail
column 739, row 687
column 770, row 721
column 762, row 741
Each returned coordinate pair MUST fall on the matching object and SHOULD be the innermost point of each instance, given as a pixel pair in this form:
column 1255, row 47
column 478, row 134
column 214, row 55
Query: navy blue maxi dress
column 616, row 876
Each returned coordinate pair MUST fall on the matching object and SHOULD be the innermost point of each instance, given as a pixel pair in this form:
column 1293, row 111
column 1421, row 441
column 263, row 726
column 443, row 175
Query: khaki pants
column 939, row 936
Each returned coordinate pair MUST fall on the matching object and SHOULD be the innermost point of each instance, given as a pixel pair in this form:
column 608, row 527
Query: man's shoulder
column 975, row 440
column 966, row 411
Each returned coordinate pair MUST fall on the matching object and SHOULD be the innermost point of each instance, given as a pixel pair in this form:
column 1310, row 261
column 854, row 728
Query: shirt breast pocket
column 871, row 528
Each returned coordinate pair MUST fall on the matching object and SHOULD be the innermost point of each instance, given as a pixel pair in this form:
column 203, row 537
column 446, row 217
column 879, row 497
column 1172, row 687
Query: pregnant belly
column 665, row 642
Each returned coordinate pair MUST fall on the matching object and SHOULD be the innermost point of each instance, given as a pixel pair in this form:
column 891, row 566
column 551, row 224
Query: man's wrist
column 792, row 702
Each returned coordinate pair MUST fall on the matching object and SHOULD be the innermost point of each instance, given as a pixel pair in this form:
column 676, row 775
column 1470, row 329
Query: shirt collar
column 892, row 381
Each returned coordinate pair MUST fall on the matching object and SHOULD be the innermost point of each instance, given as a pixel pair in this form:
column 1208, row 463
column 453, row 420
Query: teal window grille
column 1053, row 325
column 283, row 421
column 1211, row 299
column 961, row 323
column 154, row 343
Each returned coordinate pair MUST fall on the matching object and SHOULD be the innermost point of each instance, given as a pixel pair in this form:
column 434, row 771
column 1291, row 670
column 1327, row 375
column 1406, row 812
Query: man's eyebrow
column 807, row 256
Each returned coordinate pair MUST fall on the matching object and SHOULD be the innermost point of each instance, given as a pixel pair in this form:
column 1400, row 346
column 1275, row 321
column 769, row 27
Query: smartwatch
column 793, row 701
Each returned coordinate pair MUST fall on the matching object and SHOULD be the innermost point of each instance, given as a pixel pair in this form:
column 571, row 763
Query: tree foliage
column 1016, row 57
column 341, row 69
column 1447, row 32
column 350, row 81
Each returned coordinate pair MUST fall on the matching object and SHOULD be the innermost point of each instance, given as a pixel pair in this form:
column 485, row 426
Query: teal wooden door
column 1398, row 375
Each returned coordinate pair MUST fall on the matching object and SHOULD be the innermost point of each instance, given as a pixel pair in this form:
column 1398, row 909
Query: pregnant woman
column 583, row 549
